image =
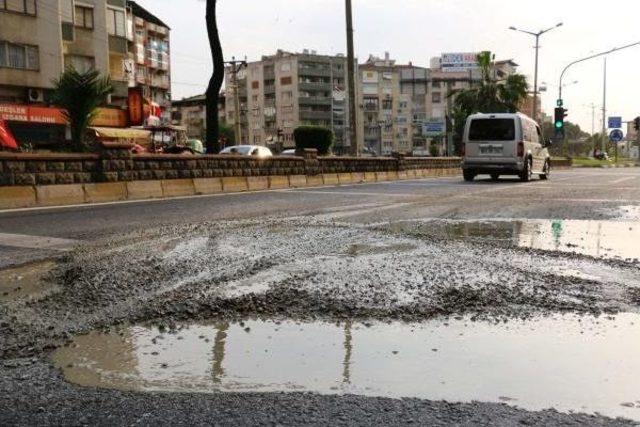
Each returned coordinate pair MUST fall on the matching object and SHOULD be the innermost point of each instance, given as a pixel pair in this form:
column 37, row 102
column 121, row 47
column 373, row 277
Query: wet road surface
column 521, row 296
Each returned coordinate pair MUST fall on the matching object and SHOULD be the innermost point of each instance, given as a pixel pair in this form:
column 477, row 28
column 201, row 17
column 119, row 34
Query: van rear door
column 492, row 138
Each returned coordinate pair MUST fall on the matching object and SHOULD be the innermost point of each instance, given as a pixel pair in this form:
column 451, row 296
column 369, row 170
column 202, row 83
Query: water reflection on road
column 567, row 362
column 601, row 239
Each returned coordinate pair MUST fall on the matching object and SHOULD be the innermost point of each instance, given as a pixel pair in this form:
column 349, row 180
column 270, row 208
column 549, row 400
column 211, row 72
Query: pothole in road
column 571, row 363
column 600, row 239
column 27, row 281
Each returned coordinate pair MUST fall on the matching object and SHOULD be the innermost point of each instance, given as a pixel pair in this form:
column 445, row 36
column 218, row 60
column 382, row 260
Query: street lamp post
column 534, row 112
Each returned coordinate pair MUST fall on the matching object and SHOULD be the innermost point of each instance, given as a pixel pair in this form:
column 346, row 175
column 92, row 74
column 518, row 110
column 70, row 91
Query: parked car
column 288, row 152
column 504, row 144
column 248, row 150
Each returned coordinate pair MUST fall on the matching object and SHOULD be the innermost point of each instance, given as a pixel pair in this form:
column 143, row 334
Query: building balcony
column 270, row 89
column 313, row 72
column 314, row 100
column 315, row 115
column 315, row 86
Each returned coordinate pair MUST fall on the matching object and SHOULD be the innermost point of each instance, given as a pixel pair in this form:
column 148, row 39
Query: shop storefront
column 46, row 127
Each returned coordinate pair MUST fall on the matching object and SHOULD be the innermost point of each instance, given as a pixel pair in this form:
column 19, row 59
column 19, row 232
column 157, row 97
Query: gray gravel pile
column 306, row 269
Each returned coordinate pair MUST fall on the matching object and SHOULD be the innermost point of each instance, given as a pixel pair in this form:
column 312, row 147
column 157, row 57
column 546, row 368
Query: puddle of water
column 569, row 363
column 26, row 281
column 600, row 239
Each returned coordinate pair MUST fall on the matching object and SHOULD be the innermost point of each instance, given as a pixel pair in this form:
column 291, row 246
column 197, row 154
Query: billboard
column 459, row 62
column 136, row 107
column 433, row 128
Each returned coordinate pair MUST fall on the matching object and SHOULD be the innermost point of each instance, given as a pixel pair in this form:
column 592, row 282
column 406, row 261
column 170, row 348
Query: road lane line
column 351, row 193
column 36, row 242
column 621, row 180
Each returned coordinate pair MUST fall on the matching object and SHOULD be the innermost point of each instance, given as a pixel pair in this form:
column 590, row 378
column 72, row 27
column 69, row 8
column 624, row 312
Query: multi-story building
column 286, row 90
column 392, row 100
column 39, row 39
column 192, row 113
column 149, row 50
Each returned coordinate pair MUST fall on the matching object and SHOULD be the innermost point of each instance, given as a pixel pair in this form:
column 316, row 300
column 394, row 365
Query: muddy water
column 569, row 363
column 26, row 281
column 601, row 239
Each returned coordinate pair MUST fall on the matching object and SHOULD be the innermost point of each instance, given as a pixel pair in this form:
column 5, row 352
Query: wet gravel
column 35, row 394
column 278, row 268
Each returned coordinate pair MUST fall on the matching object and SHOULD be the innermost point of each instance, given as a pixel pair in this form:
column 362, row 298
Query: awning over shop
column 117, row 133
column 7, row 141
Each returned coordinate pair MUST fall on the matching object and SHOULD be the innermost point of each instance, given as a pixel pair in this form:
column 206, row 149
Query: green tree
column 317, row 137
column 228, row 134
column 488, row 95
column 80, row 95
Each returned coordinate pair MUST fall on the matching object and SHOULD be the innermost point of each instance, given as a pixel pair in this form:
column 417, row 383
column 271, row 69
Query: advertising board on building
column 136, row 107
column 433, row 128
column 459, row 62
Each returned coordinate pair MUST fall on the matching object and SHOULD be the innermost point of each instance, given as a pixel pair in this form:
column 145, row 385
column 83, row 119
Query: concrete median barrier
column 17, row 197
column 315, row 181
column 234, row 184
column 105, row 192
column 370, row 176
column 330, row 179
column 178, row 187
column 205, row 186
column 278, row 182
column 57, row 195
column 298, row 181
column 141, row 190
column 257, row 183
column 345, row 178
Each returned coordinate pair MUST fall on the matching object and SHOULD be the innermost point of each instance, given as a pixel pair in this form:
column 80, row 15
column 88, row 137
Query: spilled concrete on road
column 386, row 280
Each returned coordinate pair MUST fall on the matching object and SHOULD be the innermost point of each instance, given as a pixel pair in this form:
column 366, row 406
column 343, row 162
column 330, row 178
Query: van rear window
column 492, row 130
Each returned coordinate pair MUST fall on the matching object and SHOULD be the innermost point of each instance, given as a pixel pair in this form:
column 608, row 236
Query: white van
column 504, row 144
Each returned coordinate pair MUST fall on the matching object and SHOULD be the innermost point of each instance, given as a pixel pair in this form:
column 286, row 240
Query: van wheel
column 546, row 172
column 468, row 175
column 527, row 173
column 495, row 176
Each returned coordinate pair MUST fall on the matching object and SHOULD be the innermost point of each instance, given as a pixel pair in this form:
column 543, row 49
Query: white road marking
column 36, row 242
column 621, row 180
column 351, row 193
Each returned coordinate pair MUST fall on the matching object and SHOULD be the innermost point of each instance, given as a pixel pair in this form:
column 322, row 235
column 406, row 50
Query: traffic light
column 560, row 114
column 636, row 123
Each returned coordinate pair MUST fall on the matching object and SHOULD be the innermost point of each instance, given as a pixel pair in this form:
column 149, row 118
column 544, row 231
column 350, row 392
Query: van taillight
column 520, row 149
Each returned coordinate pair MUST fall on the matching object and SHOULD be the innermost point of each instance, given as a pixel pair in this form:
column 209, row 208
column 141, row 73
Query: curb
column 20, row 197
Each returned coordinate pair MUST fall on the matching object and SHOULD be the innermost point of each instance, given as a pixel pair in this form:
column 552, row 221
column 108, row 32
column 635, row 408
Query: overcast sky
column 416, row 30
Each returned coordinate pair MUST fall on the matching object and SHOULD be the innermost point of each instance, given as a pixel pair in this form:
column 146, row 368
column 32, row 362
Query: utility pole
column 236, row 66
column 604, row 109
column 537, row 35
column 353, row 130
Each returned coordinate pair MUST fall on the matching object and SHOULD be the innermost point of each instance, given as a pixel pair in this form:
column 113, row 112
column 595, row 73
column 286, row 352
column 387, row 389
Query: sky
column 417, row 30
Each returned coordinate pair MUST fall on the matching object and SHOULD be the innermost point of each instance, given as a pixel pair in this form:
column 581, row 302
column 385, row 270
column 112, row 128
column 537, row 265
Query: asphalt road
column 294, row 243
column 576, row 194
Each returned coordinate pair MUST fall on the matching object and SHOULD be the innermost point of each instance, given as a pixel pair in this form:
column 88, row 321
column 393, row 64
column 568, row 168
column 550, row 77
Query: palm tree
column 489, row 95
column 80, row 95
column 215, row 83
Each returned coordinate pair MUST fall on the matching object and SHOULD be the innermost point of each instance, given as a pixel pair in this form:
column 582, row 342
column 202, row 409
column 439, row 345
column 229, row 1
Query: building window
column 255, row 85
column 19, row 56
column 116, row 23
column 435, row 85
column 84, row 17
column 27, row 7
column 285, row 81
column 436, row 98
column 81, row 64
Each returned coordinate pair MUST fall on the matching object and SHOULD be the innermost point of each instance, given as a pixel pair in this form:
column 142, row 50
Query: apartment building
column 280, row 92
column 149, row 65
column 191, row 113
column 392, row 101
column 38, row 40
